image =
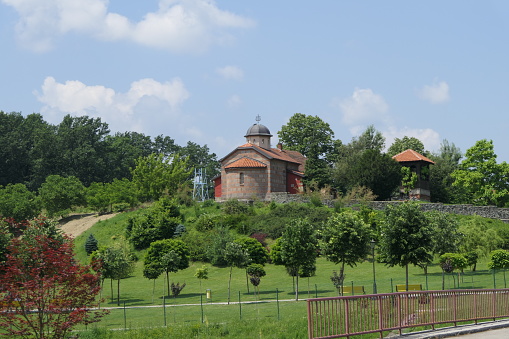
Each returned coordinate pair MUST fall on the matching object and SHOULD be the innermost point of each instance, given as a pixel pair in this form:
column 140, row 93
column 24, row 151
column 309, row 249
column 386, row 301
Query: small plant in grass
column 255, row 272
column 176, row 289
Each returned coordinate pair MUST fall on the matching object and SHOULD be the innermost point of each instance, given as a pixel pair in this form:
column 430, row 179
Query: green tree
column 116, row 263
column 17, row 202
column 344, row 240
column 91, row 244
column 446, row 234
column 235, row 256
column 60, row 194
column 168, row 255
column 157, row 222
column 202, row 274
column 480, row 180
column 478, row 237
column 499, row 259
column 450, row 262
column 369, row 168
column 298, row 248
column 255, row 272
column 314, row 138
column 407, row 237
column 255, row 250
column 155, row 175
column 82, row 148
column 440, row 179
column 401, row 145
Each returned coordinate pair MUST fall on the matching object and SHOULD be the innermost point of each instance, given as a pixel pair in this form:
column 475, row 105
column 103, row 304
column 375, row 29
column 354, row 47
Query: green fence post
column 392, row 287
column 164, row 309
column 125, row 319
column 494, row 281
column 240, row 307
column 316, row 291
column 201, row 305
column 277, row 302
column 353, row 292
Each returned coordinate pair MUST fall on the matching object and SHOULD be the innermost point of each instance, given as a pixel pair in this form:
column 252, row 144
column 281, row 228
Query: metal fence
column 354, row 315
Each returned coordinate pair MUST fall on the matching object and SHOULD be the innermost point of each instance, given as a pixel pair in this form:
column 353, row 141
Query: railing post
column 310, row 319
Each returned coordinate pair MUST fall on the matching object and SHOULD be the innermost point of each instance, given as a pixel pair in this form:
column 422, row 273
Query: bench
column 411, row 287
column 353, row 290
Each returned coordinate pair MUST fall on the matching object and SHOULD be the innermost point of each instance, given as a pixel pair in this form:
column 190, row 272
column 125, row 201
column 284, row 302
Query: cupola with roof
column 258, row 135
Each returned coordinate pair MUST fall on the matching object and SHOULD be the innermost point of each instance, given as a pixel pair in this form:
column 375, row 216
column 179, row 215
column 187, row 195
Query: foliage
column 298, row 247
column 155, row 175
column 114, row 263
column 479, row 179
column 446, row 162
column 59, row 194
column 275, row 221
column 478, row 237
column 235, row 256
column 17, row 202
column 234, row 206
column 408, row 179
column 446, row 234
column 455, row 261
column 160, row 221
column 41, row 274
column 219, row 238
column 344, row 240
column 91, row 244
column 407, row 236
column 168, row 255
column 256, row 252
column 368, row 168
column 5, row 238
column 202, row 274
column 314, row 138
column 499, row 259
column 401, row 145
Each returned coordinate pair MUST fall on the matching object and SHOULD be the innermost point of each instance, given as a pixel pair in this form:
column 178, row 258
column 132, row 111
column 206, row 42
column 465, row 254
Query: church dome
column 258, row 129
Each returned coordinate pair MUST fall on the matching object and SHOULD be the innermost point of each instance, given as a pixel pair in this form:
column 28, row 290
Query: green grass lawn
column 192, row 314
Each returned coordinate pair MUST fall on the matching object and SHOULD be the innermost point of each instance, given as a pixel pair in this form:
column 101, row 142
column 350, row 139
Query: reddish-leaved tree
column 44, row 292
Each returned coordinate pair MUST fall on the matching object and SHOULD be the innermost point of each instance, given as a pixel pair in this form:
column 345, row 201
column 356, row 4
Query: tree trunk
column 247, row 282
column 111, row 287
column 406, row 269
column 118, row 292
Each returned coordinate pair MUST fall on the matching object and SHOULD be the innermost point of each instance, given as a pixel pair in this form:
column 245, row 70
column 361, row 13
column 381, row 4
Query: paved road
column 502, row 333
column 488, row 330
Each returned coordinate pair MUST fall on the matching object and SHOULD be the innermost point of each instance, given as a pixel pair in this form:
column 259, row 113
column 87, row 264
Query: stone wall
column 492, row 212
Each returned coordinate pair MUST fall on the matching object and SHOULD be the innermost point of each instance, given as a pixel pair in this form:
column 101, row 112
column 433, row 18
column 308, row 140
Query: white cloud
column 231, row 72
column 430, row 138
column 234, row 101
column 436, row 93
column 177, row 25
column 147, row 103
column 363, row 107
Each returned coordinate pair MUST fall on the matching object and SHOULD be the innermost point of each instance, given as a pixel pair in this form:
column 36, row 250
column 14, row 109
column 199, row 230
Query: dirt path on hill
column 77, row 224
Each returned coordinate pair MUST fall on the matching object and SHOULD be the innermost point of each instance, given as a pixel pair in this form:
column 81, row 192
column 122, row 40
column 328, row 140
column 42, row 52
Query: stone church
column 255, row 170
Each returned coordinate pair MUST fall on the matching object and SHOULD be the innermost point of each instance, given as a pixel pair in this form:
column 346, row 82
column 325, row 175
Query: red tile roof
column 245, row 162
column 411, row 155
column 276, row 153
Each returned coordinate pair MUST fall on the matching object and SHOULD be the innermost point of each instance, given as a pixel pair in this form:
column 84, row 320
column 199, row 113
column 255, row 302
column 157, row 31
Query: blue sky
column 202, row 70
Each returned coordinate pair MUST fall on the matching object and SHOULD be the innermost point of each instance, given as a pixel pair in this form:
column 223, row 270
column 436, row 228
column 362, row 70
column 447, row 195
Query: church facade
column 254, row 170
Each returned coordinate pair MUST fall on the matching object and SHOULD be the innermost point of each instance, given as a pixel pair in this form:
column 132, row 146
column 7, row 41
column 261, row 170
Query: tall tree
column 407, row 237
column 314, row 138
column 446, row 162
column 479, row 179
column 344, row 240
column 235, row 256
column 154, row 175
column 401, row 145
column 49, row 291
column 82, row 146
column 298, row 248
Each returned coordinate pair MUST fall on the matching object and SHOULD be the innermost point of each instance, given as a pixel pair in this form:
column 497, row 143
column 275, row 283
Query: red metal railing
column 354, row 315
